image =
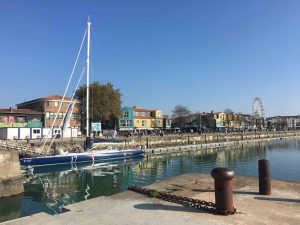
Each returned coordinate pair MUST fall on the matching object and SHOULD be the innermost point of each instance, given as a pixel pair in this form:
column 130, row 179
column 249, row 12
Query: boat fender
column 92, row 157
column 62, row 152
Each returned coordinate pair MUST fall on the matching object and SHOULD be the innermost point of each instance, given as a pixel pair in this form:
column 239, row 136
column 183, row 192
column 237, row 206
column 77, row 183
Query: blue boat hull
column 78, row 158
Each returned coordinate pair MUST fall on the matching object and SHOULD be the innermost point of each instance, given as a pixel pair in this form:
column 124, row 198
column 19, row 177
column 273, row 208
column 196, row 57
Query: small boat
column 73, row 158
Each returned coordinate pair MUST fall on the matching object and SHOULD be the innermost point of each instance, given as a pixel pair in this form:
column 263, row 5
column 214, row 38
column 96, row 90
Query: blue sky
column 205, row 54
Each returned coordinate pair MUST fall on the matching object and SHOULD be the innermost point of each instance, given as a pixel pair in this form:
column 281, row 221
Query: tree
column 228, row 111
column 104, row 103
column 181, row 113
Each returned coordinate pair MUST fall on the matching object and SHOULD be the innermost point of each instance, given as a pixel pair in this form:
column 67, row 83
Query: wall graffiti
column 28, row 124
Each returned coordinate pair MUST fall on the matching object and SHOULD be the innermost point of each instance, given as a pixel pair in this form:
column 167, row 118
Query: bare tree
column 228, row 111
column 181, row 114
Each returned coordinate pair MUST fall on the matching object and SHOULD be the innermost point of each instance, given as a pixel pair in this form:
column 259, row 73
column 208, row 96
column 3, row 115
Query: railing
column 21, row 149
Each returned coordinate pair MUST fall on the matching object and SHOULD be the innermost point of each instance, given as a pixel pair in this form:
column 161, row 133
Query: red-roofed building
column 49, row 106
column 147, row 119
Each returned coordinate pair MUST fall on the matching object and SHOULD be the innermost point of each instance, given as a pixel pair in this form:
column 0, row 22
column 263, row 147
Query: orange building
column 49, row 106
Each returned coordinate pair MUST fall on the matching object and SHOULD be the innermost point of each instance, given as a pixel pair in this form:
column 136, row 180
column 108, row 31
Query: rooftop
column 49, row 98
column 23, row 111
column 137, row 109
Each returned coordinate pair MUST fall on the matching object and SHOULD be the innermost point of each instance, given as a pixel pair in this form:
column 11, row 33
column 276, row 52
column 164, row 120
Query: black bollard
column 264, row 177
column 54, row 148
column 89, row 143
column 223, row 188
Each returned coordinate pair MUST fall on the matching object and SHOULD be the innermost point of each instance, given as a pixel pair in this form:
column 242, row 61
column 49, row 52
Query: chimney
column 10, row 109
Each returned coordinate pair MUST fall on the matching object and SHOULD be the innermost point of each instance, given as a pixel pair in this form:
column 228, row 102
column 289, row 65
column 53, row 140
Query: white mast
column 88, row 78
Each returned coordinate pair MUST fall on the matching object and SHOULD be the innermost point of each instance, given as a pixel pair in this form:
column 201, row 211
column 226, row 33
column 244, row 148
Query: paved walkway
column 123, row 209
column 129, row 208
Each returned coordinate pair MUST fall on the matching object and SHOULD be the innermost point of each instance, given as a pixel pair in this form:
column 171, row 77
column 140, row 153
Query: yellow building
column 221, row 119
column 224, row 120
column 147, row 119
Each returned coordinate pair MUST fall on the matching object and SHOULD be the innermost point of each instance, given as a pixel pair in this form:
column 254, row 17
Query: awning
column 125, row 128
column 144, row 128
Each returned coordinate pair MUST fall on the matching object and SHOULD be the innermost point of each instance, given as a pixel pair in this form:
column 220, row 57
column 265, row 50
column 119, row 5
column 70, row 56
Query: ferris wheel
column 258, row 108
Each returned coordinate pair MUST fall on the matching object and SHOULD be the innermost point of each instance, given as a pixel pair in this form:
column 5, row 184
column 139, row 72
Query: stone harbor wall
column 196, row 139
column 10, row 174
column 152, row 142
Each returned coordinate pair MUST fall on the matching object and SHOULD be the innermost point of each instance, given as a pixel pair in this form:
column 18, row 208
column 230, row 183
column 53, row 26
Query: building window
column 47, row 115
column 125, row 114
column 125, row 123
column 143, row 123
column 36, row 131
column 157, row 122
column 75, row 116
column 56, row 131
column 60, row 116
column 55, row 103
column 51, row 116
column 21, row 119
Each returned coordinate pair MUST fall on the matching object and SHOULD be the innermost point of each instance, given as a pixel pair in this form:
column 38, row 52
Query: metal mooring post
column 264, row 177
column 223, row 188
column 54, row 148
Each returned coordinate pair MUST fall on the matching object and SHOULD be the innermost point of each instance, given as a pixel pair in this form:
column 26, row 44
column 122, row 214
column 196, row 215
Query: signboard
column 219, row 124
column 96, row 127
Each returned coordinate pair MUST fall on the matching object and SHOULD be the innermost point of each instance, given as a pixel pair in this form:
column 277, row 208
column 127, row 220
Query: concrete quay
column 194, row 147
column 11, row 182
column 158, row 145
column 282, row 207
column 192, row 141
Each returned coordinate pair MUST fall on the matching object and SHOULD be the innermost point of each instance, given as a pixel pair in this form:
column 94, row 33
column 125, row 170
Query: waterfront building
column 277, row 122
column 126, row 120
column 147, row 119
column 20, row 118
column 283, row 122
column 158, row 120
column 200, row 122
column 221, row 120
column 49, row 106
column 136, row 118
column 238, row 121
column 245, row 121
column 167, row 122
column 293, row 122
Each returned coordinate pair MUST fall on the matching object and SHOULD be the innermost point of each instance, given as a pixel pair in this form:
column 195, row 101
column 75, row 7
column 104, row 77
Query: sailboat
column 89, row 155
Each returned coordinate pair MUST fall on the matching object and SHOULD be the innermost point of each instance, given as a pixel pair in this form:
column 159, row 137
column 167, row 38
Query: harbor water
column 49, row 189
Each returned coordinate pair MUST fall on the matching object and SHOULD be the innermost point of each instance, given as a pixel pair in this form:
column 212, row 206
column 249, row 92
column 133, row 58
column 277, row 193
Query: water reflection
column 49, row 189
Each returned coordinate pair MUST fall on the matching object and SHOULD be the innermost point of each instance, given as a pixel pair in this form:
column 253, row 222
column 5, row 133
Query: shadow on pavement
column 278, row 199
column 234, row 192
column 153, row 206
